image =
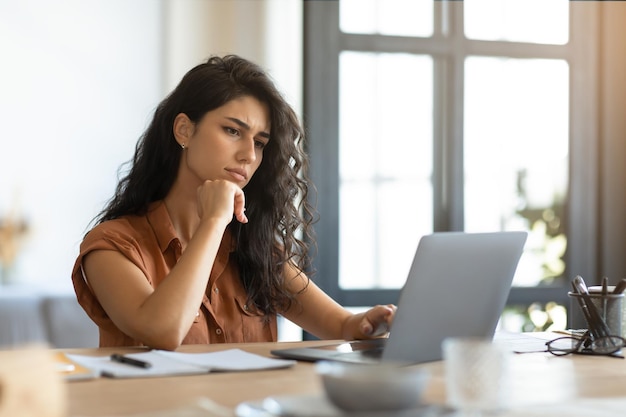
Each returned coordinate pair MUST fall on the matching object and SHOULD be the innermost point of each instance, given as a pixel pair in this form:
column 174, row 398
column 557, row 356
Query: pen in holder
column 601, row 312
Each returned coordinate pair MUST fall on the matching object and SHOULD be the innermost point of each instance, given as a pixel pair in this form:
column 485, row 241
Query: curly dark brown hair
column 277, row 196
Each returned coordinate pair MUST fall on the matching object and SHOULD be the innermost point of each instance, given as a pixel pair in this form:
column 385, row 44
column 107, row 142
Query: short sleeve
column 103, row 237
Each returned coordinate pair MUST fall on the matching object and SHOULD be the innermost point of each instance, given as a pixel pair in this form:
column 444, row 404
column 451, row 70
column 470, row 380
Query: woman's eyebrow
column 245, row 126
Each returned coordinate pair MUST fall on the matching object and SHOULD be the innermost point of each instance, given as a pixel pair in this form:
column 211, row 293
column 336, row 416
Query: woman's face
column 227, row 143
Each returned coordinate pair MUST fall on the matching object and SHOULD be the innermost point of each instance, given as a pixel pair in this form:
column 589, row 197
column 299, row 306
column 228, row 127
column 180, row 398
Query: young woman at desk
column 200, row 242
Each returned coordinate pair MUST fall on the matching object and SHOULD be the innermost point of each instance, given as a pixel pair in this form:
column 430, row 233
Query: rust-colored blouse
column 150, row 242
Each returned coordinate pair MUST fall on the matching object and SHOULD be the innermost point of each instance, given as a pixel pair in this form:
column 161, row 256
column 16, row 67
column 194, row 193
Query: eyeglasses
column 605, row 345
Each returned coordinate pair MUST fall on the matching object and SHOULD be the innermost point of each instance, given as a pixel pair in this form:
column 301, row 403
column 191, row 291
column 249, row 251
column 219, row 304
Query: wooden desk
column 106, row 397
column 537, row 378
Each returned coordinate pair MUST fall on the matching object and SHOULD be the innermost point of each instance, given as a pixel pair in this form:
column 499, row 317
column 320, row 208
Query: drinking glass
column 476, row 373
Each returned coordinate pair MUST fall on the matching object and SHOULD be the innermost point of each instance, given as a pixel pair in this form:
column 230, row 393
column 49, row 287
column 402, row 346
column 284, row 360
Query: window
column 370, row 175
column 516, row 156
column 439, row 115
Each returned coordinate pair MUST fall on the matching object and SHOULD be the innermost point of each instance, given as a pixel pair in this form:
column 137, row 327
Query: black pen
column 116, row 357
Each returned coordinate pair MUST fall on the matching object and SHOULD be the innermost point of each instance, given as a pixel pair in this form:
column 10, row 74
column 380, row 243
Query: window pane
column 537, row 317
column 387, row 17
column 516, row 156
column 385, row 164
column 535, row 21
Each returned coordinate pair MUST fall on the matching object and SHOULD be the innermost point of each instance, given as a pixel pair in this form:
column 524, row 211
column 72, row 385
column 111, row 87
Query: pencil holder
column 608, row 307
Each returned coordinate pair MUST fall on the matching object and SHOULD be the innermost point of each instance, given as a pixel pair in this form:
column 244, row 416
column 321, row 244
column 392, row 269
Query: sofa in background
column 55, row 319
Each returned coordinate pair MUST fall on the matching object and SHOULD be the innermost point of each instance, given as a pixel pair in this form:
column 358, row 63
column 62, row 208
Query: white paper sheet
column 166, row 363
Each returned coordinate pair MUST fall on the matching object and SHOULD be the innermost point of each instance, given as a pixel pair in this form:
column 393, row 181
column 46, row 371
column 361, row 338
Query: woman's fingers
column 377, row 321
column 240, row 206
column 221, row 199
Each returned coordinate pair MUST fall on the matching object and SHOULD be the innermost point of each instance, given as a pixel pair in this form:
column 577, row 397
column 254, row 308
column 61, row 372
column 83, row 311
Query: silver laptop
column 457, row 286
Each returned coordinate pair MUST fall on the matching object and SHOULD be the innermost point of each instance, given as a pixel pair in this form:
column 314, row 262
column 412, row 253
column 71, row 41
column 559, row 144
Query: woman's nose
column 247, row 151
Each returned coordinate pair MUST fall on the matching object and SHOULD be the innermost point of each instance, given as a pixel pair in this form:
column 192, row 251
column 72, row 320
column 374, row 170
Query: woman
column 200, row 243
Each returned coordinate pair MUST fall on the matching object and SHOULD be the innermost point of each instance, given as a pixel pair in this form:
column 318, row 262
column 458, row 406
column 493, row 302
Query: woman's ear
column 183, row 129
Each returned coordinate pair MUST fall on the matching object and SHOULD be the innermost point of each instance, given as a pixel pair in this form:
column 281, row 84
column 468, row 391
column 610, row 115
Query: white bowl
column 379, row 387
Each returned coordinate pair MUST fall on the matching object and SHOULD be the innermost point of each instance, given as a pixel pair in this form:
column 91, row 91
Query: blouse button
column 218, row 331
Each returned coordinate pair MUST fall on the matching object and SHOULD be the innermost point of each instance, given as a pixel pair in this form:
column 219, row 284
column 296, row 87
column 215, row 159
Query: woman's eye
column 259, row 144
column 231, row 131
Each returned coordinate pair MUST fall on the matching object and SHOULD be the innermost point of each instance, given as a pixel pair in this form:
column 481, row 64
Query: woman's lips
column 238, row 174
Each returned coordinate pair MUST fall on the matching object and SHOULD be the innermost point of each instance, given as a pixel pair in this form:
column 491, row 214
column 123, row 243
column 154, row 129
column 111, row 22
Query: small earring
column 182, row 145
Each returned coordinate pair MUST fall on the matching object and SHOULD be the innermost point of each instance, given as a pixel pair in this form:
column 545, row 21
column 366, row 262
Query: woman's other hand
column 375, row 322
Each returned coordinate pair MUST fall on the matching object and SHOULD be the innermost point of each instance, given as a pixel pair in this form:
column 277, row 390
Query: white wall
column 77, row 83
column 79, row 80
column 268, row 32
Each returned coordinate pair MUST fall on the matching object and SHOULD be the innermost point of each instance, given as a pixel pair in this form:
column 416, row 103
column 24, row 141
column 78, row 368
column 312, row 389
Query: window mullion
column 453, row 166
column 321, row 110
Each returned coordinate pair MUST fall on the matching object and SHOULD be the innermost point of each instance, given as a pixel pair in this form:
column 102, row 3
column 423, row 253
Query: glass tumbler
column 476, row 372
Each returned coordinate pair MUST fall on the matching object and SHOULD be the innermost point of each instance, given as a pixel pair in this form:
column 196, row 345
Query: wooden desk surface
column 106, row 397
column 536, row 378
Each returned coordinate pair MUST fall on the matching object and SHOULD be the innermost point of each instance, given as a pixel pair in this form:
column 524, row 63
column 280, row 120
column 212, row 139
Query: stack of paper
column 167, row 363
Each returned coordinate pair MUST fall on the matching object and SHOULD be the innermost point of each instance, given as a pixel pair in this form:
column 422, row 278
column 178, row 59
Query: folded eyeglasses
column 586, row 344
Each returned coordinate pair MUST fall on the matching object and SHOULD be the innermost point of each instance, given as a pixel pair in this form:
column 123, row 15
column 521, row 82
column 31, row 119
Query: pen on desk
column 116, row 357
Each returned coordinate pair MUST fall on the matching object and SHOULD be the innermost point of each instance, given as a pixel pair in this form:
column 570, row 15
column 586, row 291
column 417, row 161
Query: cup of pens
column 599, row 308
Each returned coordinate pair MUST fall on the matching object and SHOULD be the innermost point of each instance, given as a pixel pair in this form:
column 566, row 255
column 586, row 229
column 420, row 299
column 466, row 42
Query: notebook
column 160, row 363
column 457, row 286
